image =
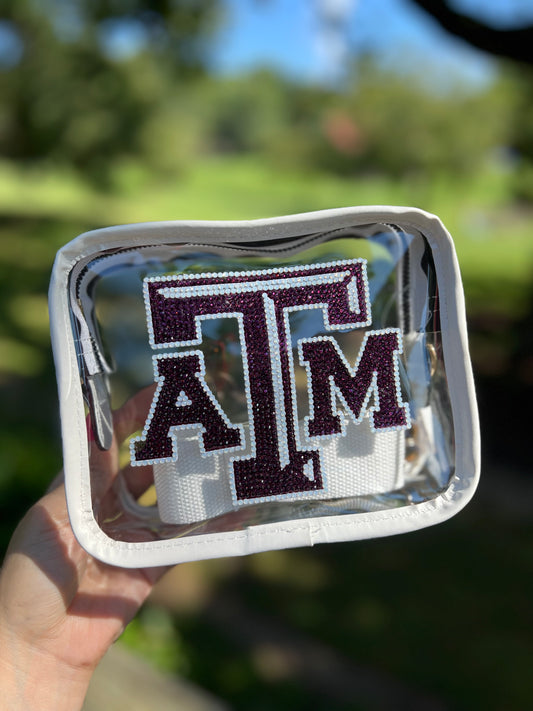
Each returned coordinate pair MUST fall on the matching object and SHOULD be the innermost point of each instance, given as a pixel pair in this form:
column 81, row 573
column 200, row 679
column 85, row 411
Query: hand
column 60, row 609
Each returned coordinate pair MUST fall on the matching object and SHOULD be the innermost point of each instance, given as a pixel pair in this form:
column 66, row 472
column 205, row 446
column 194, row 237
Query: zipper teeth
column 103, row 257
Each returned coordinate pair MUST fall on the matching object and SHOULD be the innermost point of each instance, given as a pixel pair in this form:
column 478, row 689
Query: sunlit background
column 125, row 111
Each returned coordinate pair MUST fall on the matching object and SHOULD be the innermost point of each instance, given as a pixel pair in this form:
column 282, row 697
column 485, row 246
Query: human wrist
column 31, row 679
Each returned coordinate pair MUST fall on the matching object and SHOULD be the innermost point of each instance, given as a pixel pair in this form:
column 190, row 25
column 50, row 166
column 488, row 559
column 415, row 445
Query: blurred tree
column 241, row 113
column 380, row 123
column 79, row 80
column 408, row 129
column 514, row 44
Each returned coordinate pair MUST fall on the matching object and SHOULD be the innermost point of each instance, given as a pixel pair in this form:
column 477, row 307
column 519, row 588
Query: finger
column 132, row 415
column 138, row 479
column 126, row 489
column 104, row 464
column 108, row 592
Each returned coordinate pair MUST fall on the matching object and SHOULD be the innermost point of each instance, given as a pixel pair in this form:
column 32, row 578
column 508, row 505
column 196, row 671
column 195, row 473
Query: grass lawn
column 488, row 230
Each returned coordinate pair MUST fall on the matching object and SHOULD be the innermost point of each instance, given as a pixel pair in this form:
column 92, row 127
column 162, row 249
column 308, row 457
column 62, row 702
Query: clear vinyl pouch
column 227, row 388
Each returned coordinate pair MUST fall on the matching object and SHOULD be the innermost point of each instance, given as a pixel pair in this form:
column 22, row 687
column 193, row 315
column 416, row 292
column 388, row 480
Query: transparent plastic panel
column 262, row 382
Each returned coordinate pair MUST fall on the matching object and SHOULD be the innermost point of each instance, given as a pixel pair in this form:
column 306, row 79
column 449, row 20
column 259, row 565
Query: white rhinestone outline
column 287, row 282
column 160, row 379
column 372, row 389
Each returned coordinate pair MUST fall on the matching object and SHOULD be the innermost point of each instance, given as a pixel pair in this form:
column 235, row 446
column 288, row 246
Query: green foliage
column 521, row 131
column 152, row 633
column 69, row 98
column 392, row 125
column 72, row 98
column 381, row 123
column 240, row 114
column 407, row 129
